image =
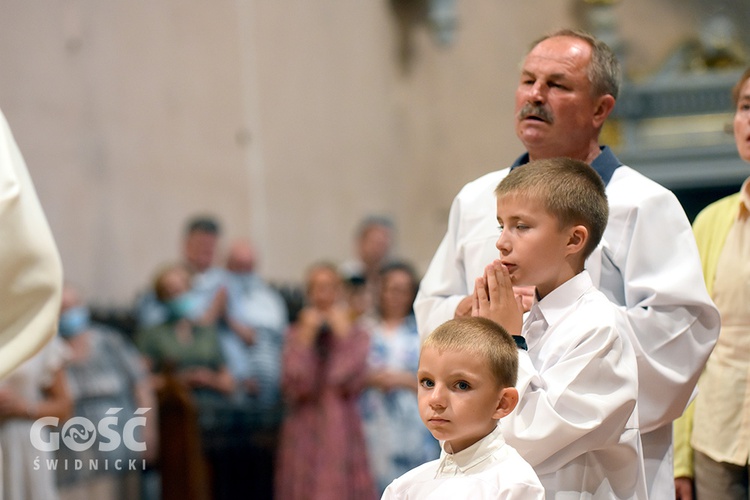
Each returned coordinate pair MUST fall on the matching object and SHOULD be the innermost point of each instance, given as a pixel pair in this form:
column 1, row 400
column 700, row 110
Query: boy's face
column 459, row 399
column 532, row 244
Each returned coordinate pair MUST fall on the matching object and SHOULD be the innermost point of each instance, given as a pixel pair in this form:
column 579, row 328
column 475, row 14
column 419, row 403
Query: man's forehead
column 566, row 52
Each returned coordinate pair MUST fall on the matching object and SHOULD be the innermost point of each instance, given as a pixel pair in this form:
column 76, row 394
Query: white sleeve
column 467, row 247
column 664, row 301
column 30, row 268
column 443, row 285
column 581, row 402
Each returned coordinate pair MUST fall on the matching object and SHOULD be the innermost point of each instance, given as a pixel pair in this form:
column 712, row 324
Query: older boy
column 576, row 422
column 467, row 370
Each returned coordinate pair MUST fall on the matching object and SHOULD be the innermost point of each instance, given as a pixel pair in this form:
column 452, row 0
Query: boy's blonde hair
column 483, row 337
column 569, row 189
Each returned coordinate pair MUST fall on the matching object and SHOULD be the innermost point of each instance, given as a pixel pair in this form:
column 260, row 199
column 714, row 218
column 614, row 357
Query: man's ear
column 577, row 238
column 604, row 106
column 506, row 403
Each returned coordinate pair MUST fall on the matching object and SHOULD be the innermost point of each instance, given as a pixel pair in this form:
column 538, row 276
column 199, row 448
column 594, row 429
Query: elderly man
column 257, row 314
column 647, row 264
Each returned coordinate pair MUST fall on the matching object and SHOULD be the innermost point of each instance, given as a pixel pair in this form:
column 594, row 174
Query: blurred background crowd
column 149, row 123
column 250, row 387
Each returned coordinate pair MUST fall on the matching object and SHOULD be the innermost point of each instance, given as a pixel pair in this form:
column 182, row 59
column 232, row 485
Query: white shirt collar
column 453, row 464
column 556, row 303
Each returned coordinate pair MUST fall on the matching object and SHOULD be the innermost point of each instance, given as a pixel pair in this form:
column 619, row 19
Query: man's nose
column 536, row 93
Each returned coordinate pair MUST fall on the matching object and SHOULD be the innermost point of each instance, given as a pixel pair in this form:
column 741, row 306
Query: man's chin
column 533, row 136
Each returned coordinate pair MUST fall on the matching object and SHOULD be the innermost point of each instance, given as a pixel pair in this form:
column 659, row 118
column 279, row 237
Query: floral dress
column 397, row 440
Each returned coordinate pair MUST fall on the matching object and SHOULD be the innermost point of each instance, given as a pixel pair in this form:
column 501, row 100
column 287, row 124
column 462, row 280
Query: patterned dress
column 322, row 453
column 397, row 440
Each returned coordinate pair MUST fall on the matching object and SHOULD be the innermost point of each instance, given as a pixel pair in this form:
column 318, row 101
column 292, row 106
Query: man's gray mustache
column 536, row 110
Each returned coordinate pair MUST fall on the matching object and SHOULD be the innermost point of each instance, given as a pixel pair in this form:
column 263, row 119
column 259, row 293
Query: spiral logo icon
column 78, row 433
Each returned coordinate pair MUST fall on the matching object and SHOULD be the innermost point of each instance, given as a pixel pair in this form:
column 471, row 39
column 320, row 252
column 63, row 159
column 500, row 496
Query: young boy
column 576, row 422
column 467, row 370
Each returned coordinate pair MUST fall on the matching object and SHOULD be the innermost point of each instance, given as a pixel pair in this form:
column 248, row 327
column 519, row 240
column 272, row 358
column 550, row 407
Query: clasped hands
column 311, row 320
column 495, row 298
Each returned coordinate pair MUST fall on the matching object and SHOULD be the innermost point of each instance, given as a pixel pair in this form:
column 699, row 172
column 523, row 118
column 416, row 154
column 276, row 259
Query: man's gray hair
column 604, row 68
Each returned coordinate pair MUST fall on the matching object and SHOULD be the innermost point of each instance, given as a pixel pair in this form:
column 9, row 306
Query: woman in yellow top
column 712, row 439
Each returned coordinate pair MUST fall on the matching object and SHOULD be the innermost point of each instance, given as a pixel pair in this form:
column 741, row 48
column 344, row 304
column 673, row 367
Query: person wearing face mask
column 206, row 295
column 186, row 356
column 191, row 349
column 105, row 371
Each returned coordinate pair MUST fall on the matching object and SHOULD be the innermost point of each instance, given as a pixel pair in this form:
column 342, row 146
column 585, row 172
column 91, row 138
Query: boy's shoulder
column 400, row 487
column 579, row 300
column 592, row 311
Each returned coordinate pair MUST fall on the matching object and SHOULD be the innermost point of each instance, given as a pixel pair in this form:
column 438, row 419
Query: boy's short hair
column 483, row 337
column 570, row 189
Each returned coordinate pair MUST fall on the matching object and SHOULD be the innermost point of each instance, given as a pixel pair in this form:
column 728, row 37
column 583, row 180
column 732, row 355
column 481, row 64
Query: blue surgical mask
column 74, row 321
column 180, row 307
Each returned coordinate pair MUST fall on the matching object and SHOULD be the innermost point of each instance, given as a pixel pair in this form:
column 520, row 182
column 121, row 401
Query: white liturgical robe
column 30, row 269
column 576, row 421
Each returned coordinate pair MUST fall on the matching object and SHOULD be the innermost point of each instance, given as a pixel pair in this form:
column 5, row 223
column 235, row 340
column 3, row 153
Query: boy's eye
column 500, row 228
column 426, row 383
column 463, row 386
